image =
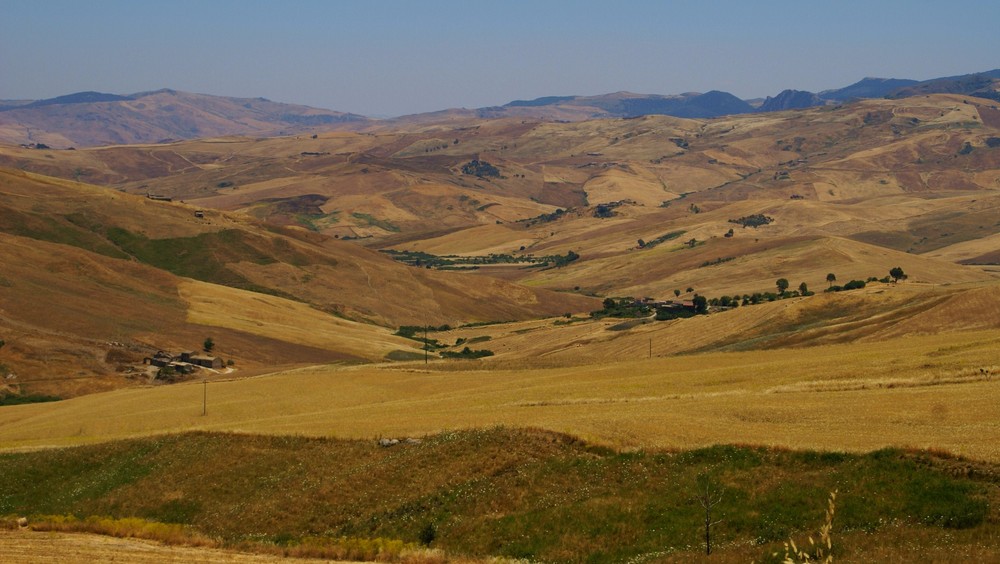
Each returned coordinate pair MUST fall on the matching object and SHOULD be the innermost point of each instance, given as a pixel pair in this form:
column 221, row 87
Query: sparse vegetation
column 661, row 239
column 754, row 220
column 544, row 218
column 717, row 261
column 482, row 169
column 454, row 262
column 467, row 353
column 21, row 399
column 372, row 221
column 205, row 257
column 852, row 285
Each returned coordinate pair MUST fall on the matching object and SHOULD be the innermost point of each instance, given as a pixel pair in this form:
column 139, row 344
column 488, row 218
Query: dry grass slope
column 925, row 392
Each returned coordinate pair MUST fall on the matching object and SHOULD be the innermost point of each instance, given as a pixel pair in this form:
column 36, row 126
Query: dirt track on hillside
column 31, row 547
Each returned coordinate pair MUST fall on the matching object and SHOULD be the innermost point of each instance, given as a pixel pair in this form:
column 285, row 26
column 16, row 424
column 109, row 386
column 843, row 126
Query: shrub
column 754, row 220
column 854, row 285
column 427, row 534
column 480, row 168
column 467, row 353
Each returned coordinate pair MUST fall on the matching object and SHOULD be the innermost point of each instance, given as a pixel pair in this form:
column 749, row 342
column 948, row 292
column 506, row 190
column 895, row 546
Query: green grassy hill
column 516, row 493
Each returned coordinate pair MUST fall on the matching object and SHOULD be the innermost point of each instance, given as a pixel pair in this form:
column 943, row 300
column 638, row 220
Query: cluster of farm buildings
column 185, row 362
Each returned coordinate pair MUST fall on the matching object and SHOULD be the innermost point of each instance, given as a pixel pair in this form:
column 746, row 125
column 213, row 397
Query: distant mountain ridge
column 790, row 100
column 716, row 103
column 97, row 118
column 866, row 88
column 627, row 104
column 76, row 98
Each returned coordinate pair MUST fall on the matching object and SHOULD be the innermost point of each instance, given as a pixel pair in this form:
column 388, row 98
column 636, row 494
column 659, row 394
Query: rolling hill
column 543, row 255
column 94, row 280
column 865, row 185
column 508, row 220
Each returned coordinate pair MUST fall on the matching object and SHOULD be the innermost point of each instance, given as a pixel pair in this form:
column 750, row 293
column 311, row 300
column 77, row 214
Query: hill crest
column 87, row 119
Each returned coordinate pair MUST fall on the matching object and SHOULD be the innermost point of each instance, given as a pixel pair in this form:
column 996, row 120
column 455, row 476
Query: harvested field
column 36, row 547
column 925, row 392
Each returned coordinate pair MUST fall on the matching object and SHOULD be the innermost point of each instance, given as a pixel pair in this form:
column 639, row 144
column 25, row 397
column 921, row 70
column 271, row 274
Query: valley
column 519, row 296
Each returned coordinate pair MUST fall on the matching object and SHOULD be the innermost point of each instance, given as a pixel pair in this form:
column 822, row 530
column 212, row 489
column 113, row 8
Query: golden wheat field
column 927, row 392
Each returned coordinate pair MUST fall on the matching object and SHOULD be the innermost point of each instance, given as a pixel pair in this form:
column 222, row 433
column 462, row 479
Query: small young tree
column 782, row 285
column 208, row 345
column 709, row 495
column 831, row 278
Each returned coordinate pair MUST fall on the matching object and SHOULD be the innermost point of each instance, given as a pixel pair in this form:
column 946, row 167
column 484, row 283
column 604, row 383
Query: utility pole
column 204, row 398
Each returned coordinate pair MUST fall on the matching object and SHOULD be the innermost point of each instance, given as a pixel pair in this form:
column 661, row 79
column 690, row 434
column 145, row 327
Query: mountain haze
column 87, row 119
column 92, row 118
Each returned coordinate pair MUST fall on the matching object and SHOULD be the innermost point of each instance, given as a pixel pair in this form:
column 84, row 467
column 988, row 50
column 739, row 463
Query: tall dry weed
column 815, row 552
column 128, row 527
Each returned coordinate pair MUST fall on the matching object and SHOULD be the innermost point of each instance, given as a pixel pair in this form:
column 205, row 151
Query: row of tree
column 632, row 308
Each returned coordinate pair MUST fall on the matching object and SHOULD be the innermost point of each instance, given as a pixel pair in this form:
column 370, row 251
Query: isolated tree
column 709, row 495
column 689, row 290
column 782, row 285
column 677, row 293
column 208, row 345
column 803, row 289
column 897, row 274
column 831, row 278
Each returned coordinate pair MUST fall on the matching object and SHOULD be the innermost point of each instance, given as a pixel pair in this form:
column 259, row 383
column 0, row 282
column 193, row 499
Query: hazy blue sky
column 397, row 57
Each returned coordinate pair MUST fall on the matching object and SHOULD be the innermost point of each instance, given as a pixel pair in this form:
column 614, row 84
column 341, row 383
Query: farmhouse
column 206, row 361
column 185, row 359
column 161, row 359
